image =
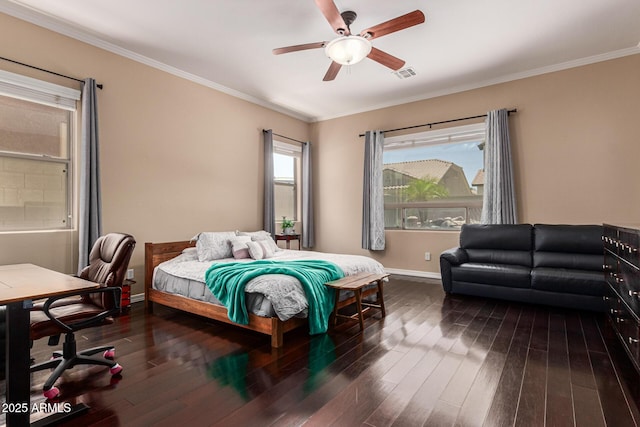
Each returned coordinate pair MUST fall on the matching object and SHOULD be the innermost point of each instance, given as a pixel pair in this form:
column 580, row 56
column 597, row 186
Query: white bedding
column 267, row 295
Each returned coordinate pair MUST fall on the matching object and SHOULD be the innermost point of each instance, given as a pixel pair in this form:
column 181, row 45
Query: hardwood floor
column 435, row 360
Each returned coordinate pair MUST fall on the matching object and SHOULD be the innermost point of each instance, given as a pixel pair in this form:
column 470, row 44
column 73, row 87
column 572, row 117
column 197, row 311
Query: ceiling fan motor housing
column 349, row 16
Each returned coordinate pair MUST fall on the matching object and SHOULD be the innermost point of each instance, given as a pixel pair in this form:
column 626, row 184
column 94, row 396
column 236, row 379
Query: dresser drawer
column 628, row 285
column 610, row 268
column 628, row 244
column 612, row 303
column 610, row 239
column 628, row 329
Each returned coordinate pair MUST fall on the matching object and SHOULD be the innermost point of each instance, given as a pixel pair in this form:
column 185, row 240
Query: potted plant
column 287, row 225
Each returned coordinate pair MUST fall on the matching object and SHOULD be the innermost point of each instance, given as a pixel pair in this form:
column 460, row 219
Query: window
column 286, row 174
column 434, row 180
column 36, row 123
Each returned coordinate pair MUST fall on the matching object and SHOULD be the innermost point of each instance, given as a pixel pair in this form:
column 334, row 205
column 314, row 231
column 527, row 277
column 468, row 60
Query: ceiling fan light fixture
column 348, row 50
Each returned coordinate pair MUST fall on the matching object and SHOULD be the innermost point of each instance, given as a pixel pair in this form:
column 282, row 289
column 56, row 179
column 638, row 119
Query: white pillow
column 239, row 247
column 268, row 241
column 259, row 250
column 212, row 245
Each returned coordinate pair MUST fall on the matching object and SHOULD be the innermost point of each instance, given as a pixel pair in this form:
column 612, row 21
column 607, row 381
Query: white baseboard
column 137, row 298
column 414, row 273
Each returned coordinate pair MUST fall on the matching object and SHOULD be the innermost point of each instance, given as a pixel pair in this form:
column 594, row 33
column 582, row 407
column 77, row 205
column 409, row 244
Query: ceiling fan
column 348, row 49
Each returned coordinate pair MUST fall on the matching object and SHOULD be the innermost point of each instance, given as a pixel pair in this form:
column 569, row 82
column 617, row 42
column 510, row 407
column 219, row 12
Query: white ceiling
column 464, row 44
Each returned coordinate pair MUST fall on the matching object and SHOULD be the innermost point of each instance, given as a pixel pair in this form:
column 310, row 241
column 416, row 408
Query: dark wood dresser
column 622, row 272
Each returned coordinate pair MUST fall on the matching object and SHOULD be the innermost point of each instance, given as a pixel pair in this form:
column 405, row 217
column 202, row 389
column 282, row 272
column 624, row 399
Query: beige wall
column 177, row 157
column 575, row 144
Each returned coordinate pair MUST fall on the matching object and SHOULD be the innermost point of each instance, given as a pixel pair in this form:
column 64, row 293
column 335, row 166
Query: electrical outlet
column 130, row 274
column 427, row 256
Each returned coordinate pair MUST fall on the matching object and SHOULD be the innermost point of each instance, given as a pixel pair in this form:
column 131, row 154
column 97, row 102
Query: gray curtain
column 373, row 194
column 308, row 232
column 499, row 200
column 90, row 204
column 269, row 200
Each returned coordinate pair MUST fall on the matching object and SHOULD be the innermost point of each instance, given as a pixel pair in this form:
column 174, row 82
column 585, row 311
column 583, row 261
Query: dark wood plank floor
column 435, row 360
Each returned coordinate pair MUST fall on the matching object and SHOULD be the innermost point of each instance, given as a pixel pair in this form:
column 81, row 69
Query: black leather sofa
column 559, row 265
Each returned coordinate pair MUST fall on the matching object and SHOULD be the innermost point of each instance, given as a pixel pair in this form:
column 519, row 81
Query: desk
column 19, row 285
column 288, row 238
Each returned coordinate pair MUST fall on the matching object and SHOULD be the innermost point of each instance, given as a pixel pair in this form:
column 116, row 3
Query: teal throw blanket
column 227, row 282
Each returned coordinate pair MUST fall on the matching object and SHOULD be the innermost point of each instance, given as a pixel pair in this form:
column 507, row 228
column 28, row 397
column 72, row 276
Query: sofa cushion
column 514, row 276
column 514, row 237
column 496, row 256
column 576, row 247
column 571, row 261
column 581, row 282
column 502, row 244
column 579, row 239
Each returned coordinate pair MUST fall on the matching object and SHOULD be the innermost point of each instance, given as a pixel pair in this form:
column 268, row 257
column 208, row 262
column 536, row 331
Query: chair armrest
column 61, row 301
column 69, row 300
column 448, row 258
column 81, row 324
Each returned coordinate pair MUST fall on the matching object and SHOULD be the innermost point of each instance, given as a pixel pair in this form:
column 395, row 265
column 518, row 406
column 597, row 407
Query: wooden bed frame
column 155, row 253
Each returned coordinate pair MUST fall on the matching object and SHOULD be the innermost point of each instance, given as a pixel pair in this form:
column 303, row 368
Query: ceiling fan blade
column 386, row 59
column 332, row 72
column 330, row 11
column 400, row 23
column 298, row 47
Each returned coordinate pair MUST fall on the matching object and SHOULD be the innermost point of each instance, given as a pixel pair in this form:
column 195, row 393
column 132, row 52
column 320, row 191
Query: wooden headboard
column 156, row 253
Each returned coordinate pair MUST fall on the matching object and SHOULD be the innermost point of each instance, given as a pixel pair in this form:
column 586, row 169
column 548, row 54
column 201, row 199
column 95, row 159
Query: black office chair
column 108, row 262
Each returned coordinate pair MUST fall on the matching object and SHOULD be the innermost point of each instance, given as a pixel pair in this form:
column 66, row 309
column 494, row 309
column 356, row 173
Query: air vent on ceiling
column 405, row 73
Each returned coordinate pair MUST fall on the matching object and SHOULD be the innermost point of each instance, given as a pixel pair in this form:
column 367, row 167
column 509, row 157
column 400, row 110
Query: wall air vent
column 405, row 73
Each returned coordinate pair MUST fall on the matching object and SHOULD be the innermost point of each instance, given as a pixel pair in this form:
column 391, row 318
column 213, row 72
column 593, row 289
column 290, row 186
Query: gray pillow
column 212, row 245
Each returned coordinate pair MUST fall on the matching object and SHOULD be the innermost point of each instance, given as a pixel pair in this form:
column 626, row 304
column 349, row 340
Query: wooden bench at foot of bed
column 356, row 284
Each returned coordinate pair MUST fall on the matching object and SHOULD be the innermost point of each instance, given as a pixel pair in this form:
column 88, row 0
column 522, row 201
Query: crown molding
column 49, row 22
column 503, row 79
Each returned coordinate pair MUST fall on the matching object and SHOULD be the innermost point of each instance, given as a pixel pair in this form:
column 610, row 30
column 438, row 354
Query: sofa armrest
column 453, row 256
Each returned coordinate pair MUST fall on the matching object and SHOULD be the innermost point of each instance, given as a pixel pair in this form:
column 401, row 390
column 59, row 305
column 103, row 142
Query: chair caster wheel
column 109, row 354
column 116, row 369
column 52, row 393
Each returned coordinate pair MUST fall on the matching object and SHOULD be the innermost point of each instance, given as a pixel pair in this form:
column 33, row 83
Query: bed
column 174, row 277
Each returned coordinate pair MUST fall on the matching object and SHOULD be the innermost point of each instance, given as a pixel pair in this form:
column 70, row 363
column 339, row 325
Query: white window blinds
column 34, row 90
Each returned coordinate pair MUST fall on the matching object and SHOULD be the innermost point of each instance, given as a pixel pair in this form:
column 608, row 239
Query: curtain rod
column 515, row 110
column 286, row 137
column 99, row 86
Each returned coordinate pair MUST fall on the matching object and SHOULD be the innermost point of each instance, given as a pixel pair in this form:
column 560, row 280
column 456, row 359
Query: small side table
column 288, row 238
